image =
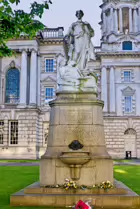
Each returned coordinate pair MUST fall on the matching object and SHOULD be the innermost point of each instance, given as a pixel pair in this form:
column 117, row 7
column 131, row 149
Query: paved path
column 133, row 162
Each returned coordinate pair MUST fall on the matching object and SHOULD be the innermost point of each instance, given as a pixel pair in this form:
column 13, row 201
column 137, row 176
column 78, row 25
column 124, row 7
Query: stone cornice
column 51, row 41
column 118, row 4
column 118, row 54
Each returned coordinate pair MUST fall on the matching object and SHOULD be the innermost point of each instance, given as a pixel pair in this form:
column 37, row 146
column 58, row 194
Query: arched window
column 127, row 45
column 130, row 131
column 12, row 86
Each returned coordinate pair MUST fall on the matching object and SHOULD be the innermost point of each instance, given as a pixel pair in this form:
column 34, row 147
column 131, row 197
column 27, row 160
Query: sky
column 62, row 13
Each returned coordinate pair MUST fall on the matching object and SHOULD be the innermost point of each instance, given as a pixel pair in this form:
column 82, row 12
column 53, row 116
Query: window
column 49, row 65
column 130, row 131
column 12, row 86
column 13, row 132
column 49, row 94
column 127, row 45
column 127, row 76
column 1, row 131
column 128, row 104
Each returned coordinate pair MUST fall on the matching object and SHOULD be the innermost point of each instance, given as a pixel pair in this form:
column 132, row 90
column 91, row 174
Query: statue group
column 73, row 72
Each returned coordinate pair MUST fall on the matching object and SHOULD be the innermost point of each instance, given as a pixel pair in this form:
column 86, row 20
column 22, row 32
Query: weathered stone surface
column 76, row 116
column 120, row 197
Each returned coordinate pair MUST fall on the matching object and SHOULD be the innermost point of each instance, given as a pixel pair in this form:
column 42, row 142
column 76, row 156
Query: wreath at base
column 68, row 184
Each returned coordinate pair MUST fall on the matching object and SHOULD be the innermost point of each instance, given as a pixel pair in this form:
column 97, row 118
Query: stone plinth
column 119, row 197
column 76, row 117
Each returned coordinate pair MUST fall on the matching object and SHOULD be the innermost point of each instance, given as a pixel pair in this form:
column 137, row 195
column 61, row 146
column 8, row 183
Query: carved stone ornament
column 75, row 145
column 12, row 64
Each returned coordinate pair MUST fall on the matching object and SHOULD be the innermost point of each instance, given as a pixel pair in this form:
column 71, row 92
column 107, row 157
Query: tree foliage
column 13, row 23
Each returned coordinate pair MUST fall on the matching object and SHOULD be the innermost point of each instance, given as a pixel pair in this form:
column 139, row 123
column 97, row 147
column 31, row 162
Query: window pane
column 12, row 86
column 127, row 76
column 49, row 93
column 49, row 65
column 127, row 45
column 128, row 104
column 14, row 132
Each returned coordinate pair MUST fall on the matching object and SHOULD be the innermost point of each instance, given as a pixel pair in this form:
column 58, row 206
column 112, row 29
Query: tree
column 13, row 23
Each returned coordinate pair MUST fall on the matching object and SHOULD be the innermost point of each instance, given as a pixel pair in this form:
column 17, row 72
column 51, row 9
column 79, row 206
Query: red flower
column 82, row 205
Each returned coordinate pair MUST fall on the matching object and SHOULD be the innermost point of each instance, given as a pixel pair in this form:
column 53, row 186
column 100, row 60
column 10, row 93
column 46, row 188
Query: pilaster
column 135, row 21
column 112, row 89
column 115, row 21
column 112, row 18
column 104, row 22
column 38, row 84
column 121, row 23
column 139, row 19
column 130, row 20
column 33, row 78
column 23, row 79
column 6, row 133
column 104, row 87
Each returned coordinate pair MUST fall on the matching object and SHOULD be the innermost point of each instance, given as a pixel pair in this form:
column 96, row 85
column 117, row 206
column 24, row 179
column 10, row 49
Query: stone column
column 112, row 90
column 6, row 140
column 104, row 22
column 111, row 19
column 130, row 20
column 135, row 21
column 121, row 20
column 115, row 21
column 104, row 87
column 23, row 79
column 38, row 82
column 33, row 78
column 139, row 19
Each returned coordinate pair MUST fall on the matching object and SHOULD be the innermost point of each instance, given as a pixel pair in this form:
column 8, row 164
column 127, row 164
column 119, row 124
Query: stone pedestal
column 76, row 144
column 76, row 150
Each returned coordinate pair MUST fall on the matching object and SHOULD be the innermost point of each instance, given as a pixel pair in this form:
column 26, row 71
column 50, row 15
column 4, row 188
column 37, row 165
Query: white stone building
column 29, row 79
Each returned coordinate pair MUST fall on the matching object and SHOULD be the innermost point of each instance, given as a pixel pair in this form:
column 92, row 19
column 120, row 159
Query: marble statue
column 73, row 74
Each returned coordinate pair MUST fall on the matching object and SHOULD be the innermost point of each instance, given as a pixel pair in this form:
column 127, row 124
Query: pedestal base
column 116, row 198
column 76, row 143
column 94, row 172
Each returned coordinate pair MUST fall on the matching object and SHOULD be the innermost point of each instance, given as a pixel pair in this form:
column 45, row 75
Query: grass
column 15, row 178
column 129, row 175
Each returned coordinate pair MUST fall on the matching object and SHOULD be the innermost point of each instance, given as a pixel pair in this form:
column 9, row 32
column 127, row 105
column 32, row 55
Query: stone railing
column 53, row 33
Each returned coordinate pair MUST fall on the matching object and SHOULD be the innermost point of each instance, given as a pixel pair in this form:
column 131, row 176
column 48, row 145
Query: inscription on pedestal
column 78, row 115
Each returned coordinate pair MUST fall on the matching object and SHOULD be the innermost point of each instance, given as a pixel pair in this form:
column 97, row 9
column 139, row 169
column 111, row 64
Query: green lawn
column 129, row 175
column 12, row 179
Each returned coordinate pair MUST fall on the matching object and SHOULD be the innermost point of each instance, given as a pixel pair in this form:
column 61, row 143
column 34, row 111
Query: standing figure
column 80, row 47
column 73, row 74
